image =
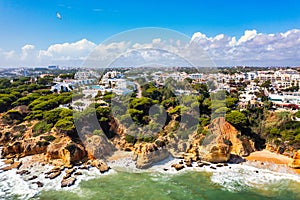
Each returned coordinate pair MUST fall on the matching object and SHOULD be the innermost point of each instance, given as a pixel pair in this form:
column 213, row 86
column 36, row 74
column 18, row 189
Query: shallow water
column 236, row 181
column 186, row 185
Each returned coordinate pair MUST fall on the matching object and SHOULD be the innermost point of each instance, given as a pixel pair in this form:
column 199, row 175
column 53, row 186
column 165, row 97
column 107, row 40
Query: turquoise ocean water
column 186, row 185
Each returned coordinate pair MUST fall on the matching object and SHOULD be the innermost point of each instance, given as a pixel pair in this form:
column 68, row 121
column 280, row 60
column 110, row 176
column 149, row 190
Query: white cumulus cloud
column 252, row 48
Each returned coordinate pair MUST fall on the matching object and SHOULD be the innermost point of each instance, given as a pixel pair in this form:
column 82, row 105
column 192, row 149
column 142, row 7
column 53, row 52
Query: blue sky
column 35, row 22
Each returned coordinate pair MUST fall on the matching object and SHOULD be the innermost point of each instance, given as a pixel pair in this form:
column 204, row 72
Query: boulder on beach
column 53, row 175
column 23, row 172
column 68, row 182
column 100, row 165
column 295, row 162
column 146, row 154
column 66, row 150
column 178, row 166
column 12, row 166
column 98, row 146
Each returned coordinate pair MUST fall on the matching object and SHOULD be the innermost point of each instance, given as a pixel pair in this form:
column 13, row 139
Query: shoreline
column 251, row 172
column 266, row 157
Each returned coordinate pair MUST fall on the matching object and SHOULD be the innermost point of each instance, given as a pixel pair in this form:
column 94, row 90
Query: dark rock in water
column 188, row 164
column 78, row 173
column 39, row 184
column 235, row 159
column 219, row 165
column 53, row 175
column 225, row 164
column 54, row 170
column 200, row 164
column 178, row 166
column 212, row 167
column 67, row 176
column 23, row 172
column 256, row 171
column 262, row 163
column 69, row 172
column 68, row 182
column 31, row 178
column 181, row 162
column 165, row 169
column 14, row 165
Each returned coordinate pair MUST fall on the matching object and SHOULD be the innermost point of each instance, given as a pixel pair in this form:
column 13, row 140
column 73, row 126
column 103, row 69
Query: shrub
column 43, row 143
column 236, row 118
column 52, row 116
column 177, row 110
column 65, row 125
column 297, row 114
column 41, row 127
column 49, row 138
column 130, row 139
column 12, row 116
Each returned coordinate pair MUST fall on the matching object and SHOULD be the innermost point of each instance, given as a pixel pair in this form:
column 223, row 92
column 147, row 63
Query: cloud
column 67, row 52
column 27, row 50
column 252, row 48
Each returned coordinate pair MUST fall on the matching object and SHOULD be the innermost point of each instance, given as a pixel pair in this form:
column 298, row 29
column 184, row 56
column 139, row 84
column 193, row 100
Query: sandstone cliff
column 295, row 163
column 222, row 141
column 148, row 153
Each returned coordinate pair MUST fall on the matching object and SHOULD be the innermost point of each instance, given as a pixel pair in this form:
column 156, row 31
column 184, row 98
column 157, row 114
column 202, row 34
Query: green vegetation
column 147, row 117
column 41, row 127
column 236, row 118
column 65, row 125
column 130, row 139
column 49, row 138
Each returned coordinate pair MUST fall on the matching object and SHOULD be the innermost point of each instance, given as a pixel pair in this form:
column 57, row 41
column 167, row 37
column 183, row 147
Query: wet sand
column 266, row 156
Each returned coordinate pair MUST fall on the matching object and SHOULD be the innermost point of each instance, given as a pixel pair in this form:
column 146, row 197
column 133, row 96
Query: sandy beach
column 266, row 157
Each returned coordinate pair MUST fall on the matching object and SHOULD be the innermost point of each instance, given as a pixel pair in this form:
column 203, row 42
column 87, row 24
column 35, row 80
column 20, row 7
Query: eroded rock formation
column 295, row 163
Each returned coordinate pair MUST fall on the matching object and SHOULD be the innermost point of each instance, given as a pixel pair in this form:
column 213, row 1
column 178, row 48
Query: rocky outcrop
column 25, row 147
column 100, row 165
column 98, row 146
column 39, row 184
column 176, row 146
column 12, row 166
column 178, row 166
column 66, row 150
column 222, row 141
column 68, row 182
column 53, row 175
column 295, row 163
column 146, row 154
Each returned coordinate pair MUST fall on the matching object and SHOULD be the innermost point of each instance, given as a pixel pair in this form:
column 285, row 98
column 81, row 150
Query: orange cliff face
column 223, row 141
column 295, row 162
column 18, row 140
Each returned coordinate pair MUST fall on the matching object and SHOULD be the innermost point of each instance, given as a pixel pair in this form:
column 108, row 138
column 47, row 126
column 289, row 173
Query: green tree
column 237, row 119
